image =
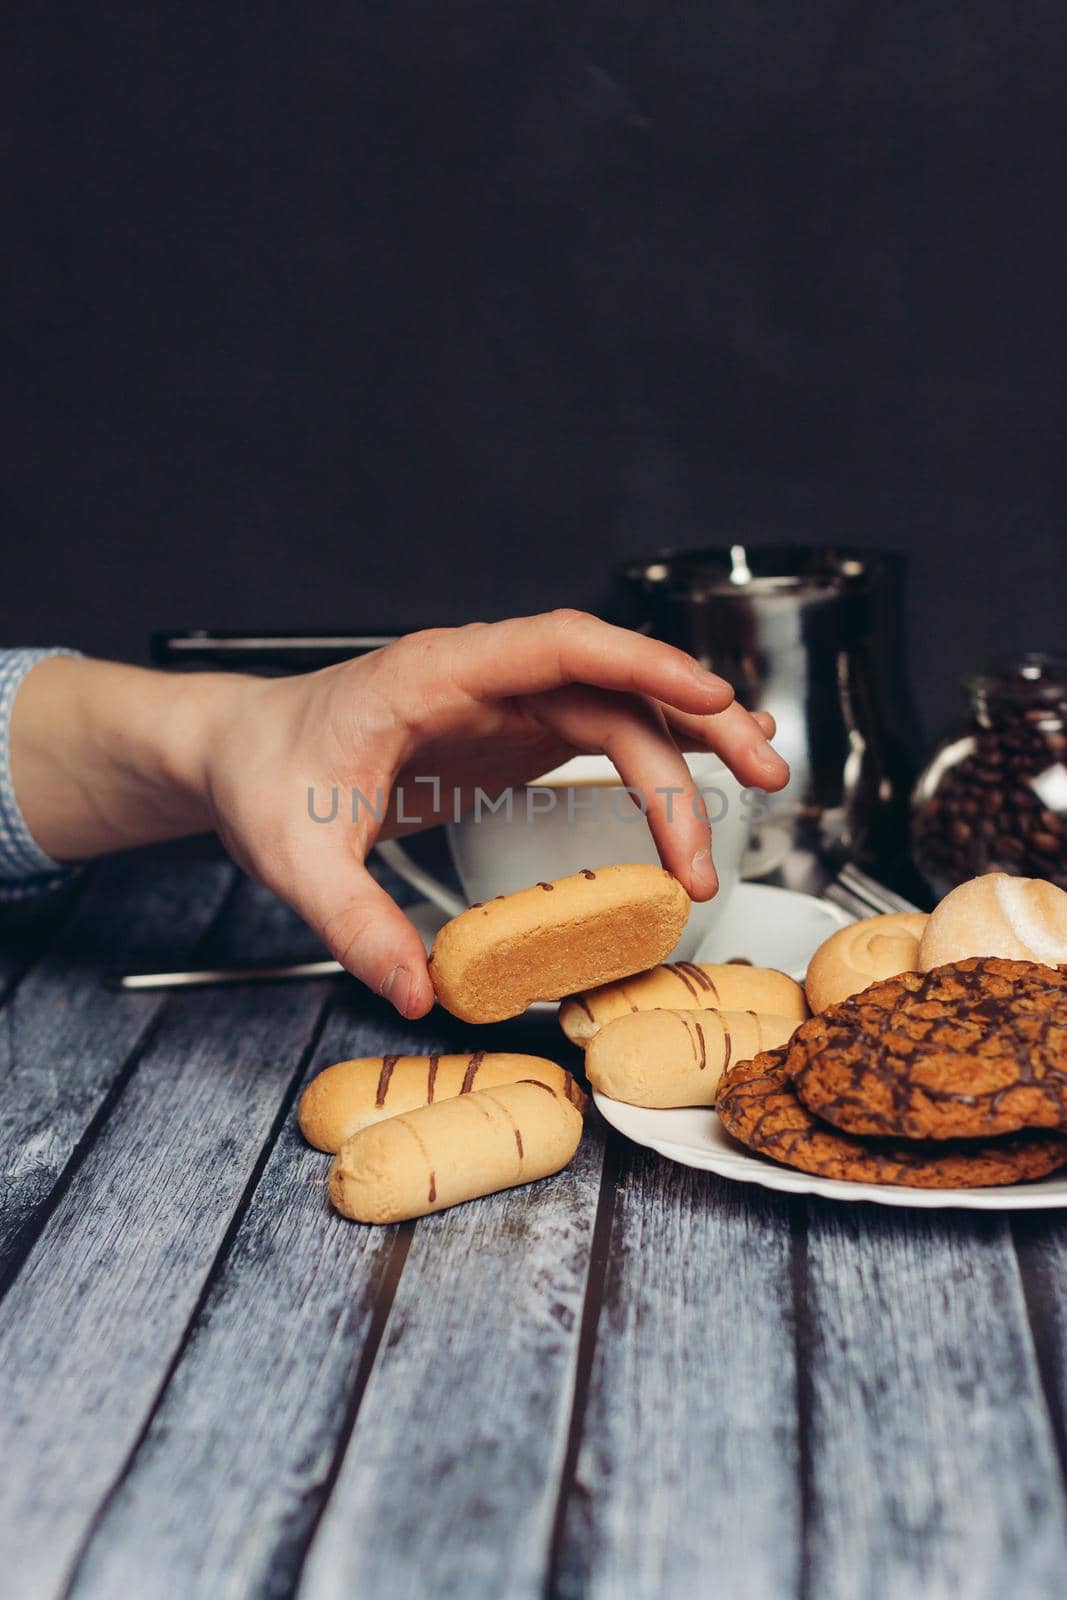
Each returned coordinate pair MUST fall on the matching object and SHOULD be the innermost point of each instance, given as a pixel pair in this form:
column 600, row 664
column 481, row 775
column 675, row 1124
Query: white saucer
column 778, row 928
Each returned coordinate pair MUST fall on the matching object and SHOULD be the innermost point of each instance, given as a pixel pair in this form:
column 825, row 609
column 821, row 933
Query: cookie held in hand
column 759, row 1106
column 492, row 961
column 970, row 1050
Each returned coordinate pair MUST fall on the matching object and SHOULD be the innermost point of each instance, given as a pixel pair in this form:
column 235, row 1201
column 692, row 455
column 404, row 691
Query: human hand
column 488, row 705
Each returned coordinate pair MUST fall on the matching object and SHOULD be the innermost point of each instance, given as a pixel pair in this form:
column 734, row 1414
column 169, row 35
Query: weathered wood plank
column 231, row 1474
column 1041, row 1246
column 65, row 1038
column 449, row 1484
column 95, row 1317
column 933, row 1469
column 686, row 1479
column 230, row 1477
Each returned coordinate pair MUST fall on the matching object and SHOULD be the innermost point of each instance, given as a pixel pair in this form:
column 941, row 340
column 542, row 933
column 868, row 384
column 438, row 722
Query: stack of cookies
column 411, row 1135
column 950, row 1073
column 950, row 1079
column 936, row 1056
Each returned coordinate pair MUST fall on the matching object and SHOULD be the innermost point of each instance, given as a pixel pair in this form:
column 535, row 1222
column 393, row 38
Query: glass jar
column 993, row 798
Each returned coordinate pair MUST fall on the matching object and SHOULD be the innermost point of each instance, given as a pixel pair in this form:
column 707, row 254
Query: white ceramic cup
column 579, row 816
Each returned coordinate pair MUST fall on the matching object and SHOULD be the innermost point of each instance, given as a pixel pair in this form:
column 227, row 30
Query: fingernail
column 397, row 989
column 709, row 679
column 767, row 755
column 703, row 871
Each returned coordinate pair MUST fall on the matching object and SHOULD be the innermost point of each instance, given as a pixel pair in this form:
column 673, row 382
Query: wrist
column 205, row 712
column 105, row 757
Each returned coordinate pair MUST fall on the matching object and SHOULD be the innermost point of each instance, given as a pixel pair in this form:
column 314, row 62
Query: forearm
column 104, row 757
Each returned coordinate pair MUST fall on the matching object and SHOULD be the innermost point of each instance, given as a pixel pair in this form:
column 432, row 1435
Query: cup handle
column 394, row 855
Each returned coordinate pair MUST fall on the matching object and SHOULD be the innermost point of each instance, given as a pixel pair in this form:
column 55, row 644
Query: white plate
column 696, row 1138
column 778, row 928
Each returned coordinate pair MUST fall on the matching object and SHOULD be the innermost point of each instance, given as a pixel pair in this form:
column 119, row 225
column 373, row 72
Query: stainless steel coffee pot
column 808, row 634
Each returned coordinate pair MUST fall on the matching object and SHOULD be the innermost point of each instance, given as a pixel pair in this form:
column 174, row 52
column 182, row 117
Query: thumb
column 366, row 931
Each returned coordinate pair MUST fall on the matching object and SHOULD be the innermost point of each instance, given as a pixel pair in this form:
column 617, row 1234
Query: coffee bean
column 1045, row 843
column 985, row 814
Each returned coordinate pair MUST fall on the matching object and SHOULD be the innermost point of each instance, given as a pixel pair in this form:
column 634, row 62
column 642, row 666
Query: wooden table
column 632, row 1380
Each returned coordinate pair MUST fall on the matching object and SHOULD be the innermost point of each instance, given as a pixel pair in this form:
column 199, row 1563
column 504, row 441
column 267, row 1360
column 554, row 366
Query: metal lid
column 758, row 572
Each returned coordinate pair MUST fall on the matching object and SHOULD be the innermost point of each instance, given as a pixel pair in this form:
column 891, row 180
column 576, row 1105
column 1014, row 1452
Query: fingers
column 632, row 732
column 533, row 655
column 363, row 928
column 740, row 738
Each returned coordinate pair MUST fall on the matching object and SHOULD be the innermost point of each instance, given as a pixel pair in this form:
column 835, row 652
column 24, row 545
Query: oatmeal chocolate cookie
column 759, row 1106
column 972, row 1049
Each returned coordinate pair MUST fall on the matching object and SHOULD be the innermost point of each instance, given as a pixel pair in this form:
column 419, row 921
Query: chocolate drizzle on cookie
column 676, row 968
column 971, row 1049
column 758, row 1104
column 694, row 977
column 388, row 1063
column 472, row 1071
column 514, row 1125
column 431, row 1194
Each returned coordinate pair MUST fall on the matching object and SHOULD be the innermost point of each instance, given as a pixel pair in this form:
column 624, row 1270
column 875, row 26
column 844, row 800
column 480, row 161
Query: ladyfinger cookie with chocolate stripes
column 676, row 1058
column 492, row 961
column 353, row 1094
column 684, row 984
column 454, row 1150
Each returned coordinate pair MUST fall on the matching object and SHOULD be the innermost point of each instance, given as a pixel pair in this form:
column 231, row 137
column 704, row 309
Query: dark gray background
column 382, row 314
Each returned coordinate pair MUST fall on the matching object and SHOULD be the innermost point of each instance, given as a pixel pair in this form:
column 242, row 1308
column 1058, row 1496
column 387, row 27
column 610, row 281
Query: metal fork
column 857, row 892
